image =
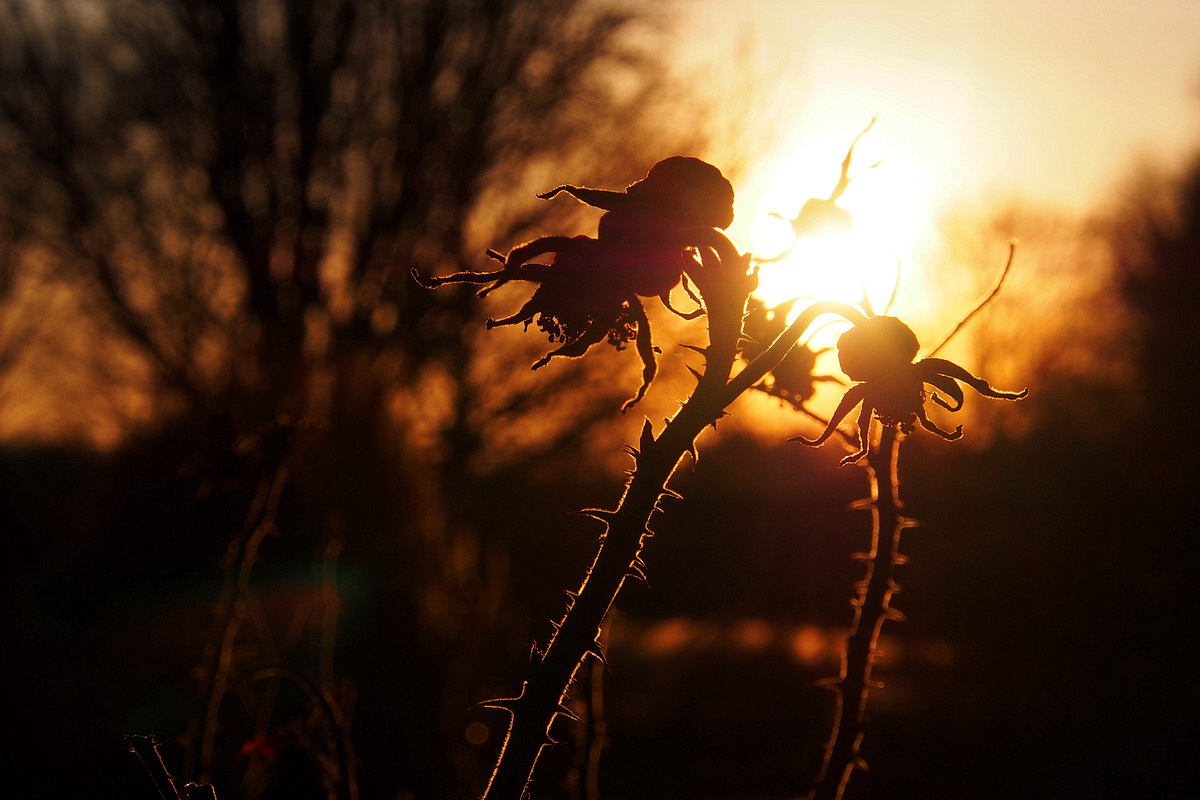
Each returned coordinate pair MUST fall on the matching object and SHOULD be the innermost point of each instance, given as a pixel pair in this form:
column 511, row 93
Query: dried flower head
column 821, row 215
column 879, row 353
column 590, row 292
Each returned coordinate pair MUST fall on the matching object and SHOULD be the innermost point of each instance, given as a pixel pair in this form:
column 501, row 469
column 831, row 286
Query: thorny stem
column 146, row 749
column 540, row 701
column 872, row 607
column 873, row 604
column 725, row 284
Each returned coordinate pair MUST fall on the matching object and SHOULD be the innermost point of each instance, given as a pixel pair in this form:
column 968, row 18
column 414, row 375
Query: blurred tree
column 208, row 213
column 1062, row 286
column 239, row 188
column 1157, row 240
column 1157, row 244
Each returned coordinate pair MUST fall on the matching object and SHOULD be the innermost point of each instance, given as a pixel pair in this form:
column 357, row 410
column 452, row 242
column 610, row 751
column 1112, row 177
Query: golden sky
column 1047, row 100
column 1026, row 104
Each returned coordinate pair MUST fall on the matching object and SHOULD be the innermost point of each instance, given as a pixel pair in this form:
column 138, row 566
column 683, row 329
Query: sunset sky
column 1033, row 104
column 1049, row 100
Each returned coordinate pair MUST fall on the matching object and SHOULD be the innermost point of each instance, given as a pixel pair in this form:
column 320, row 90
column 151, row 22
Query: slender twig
column 218, row 654
column 1012, row 254
column 242, row 555
column 872, row 607
column 341, row 769
column 770, row 358
column 238, row 603
column 895, row 287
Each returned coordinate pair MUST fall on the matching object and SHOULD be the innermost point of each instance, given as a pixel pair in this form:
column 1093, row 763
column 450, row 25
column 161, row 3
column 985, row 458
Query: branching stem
column 725, row 283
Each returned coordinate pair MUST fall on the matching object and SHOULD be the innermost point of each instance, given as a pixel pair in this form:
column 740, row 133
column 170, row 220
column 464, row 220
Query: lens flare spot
column 810, row 645
column 477, row 733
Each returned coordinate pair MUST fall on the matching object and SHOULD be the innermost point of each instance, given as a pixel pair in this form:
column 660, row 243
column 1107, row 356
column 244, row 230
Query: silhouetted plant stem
column 872, row 607
column 238, row 565
column 146, row 749
column 278, row 446
column 340, row 770
column 725, row 284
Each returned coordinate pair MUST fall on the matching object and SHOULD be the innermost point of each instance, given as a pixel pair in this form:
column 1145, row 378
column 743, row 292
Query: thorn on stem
column 566, row 712
column 596, row 651
column 647, row 437
column 598, row 514
column 508, row 704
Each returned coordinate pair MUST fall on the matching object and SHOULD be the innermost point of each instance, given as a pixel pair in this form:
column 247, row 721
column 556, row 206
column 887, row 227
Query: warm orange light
column 887, row 199
column 830, row 266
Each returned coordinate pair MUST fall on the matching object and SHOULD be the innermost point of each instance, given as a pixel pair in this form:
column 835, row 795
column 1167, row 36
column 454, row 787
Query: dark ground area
column 1048, row 600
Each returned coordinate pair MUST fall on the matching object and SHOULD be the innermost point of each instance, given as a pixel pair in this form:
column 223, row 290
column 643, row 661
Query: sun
column 887, row 202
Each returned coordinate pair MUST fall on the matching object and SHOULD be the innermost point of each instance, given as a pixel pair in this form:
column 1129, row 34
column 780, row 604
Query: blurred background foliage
column 213, row 363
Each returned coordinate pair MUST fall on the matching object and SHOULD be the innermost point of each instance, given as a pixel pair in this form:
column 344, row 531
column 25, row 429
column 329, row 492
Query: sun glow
column 886, row 198
column 887, row 202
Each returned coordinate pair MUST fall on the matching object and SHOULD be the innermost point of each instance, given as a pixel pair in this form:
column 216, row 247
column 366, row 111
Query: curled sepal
column 855, row 396
column 941, row 368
